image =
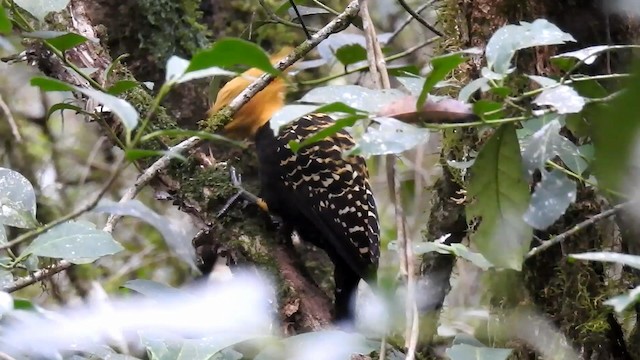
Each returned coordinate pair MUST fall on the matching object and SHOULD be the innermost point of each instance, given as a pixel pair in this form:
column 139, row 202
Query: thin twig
column 72, row 215
column 149, row 174
column 380, row 77
column 393, row 57
column 408, row 20
column 304, row 27
column 12, row 122
column 419, row 18
column 563, row 236
column 278, row 20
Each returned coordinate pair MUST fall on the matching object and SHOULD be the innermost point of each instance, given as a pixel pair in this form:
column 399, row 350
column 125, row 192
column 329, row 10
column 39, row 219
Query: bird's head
column 260, row 109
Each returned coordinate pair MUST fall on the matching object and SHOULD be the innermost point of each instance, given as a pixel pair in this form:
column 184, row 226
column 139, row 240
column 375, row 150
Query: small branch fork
column 563, row 236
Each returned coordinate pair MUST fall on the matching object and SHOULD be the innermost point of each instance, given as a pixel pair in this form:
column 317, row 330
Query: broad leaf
column 543, row 80
column 326, row 132
column 167, row 347
column 17, row 200
column 177, row 71
column 306, row 11
column 231, row 52
column 547, row 143
column 622, row 302
column 441, row 66
column 78, row 242
column 624, row 259
column 290, row 113
column 40, row 8
column 150, row 288
column 63, row 106
column 499, row 197
column 466, row 352
column 332, row 344
column 5, row 22
column 510, row 38
column 475, row 85
column 616, row 146
column 351, row 54
column 587, row 55
column 355, row 96
column 552, row 197
column 390, row 137
column 175, row 237
column 61, row 40
column 123, row 109
column 563, row 98
column 122, row 86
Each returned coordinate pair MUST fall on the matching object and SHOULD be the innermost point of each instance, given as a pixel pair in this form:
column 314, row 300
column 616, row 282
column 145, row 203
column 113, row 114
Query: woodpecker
column 317, row 191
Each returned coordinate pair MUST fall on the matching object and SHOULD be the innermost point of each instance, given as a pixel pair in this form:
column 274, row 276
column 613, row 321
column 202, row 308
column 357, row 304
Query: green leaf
column 168, row 347
column 177, row 71
column 326, row 132
column 552, row 197
column 481, row 107
column 390, row 137
column 78, row 242
column 441, row 66
column 5, row 22
column 61, row 40
column 357, row 97
column 49, row 84
column 123, row 109
column 150, row 288
column 614, row 145
column 23, row 304
column 122, row 86
column 507, row 40
column 64, row 106
column 137, row 154
column 306, row 11
column 499, row 197
column 547, row 143
column 40, row 8
column 466, row 352
column 563, row 98
column 231, row 52
column 587, row 55
column 177, row 240
column 624, row 301
column 290, row 113
column 475, row 85
column 351, row 54
column 604, row 256
column 17, row 200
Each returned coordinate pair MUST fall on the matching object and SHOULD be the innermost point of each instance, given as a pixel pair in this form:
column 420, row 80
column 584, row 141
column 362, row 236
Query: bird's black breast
column 319, row 192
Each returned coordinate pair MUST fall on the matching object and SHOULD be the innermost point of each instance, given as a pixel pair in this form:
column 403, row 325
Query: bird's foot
column 242, row 194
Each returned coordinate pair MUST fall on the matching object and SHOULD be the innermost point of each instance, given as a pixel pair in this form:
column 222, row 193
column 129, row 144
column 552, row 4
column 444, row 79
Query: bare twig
column 378, row 70
column 149, row 174
column 72, row 215
column 419, row 18
column 563, row 236
column 11, row 120
column 304, row 27
column 408, row 20
column 278, row 20
column 393, row 57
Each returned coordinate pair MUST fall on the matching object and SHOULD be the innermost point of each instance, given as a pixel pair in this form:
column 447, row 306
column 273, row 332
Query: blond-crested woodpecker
column 317, row 191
